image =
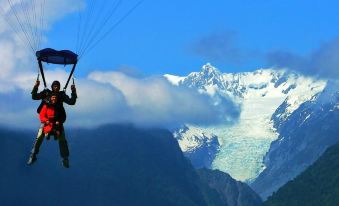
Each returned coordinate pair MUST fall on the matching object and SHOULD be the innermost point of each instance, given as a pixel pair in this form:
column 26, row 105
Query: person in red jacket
column 52, row 124
column 48, row 116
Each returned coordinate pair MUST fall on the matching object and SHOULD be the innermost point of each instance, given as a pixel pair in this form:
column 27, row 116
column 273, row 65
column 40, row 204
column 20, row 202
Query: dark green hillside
column 318, row 185
column 112, row 165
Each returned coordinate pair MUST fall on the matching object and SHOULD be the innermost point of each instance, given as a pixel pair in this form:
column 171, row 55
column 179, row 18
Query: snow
column 192, row 137
column 299, row 95
column 175, row 80
column 307, row 117
column 260, row 93
column 211, row 89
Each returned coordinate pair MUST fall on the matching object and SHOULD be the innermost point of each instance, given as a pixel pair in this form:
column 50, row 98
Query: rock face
column 111, row 165
column 233, row 192
column 244, row 143
column 317, row 185
column 303, row 137
column 199, row 146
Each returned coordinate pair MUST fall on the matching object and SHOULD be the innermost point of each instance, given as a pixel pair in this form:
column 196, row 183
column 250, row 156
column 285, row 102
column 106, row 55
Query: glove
column 73, row 88
column 37, row 83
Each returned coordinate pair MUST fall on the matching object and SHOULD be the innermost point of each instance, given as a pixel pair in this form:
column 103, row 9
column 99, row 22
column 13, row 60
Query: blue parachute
column 64, row 57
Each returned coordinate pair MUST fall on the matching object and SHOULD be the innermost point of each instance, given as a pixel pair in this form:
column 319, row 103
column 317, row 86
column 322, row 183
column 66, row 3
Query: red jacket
column 47, row 113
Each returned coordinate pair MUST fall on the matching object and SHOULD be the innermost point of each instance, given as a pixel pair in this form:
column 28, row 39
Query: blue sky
column 160, row 36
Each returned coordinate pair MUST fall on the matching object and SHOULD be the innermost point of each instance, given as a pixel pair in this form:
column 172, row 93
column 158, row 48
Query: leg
column 36, row 146
column 64, row 152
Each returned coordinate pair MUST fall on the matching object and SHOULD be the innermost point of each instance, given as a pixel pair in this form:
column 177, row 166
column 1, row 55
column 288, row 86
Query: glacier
column 243, row 144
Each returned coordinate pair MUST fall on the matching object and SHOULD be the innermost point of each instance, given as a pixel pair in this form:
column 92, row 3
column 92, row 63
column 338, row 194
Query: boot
column 32, row 159
column 65, row 162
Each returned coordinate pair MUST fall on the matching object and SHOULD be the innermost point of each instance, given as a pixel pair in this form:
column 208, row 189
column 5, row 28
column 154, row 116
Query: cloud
column 57, row 9
column 17, row 110
column 222, row 47
column 28, row 11
column 323, row 62
column 154, row 101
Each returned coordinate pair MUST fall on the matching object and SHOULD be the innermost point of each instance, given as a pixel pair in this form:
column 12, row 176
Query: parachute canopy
column 52, row 56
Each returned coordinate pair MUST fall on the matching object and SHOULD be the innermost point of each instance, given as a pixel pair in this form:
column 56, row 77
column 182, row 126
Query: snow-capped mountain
column 303, row 137
column 243, row 144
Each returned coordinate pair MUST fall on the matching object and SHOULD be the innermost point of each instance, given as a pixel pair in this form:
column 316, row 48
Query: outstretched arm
column 73, row 99
column 35, row 94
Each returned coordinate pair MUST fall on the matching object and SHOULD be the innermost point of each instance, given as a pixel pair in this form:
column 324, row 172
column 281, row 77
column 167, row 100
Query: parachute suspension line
column 34, row 27
column 101, row 25
column 22, row 25
column 25, row 13
column 28, row 25
column 14, row 28
column 78, row 33
column 26, row 20
column 86, row 22
column 23, row 8
column 94, row 23
column 42, row 24
column 14, row 11
column 112, row 28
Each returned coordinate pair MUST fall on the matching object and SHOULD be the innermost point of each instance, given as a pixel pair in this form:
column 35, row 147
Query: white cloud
column 97, row 104
column 6, row 52
column 154, row 101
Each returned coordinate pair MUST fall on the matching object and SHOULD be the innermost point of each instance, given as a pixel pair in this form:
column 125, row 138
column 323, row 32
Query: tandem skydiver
column 55, row 110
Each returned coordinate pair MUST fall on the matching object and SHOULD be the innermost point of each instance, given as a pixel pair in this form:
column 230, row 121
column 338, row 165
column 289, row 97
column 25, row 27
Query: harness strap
column 42, row 73
column 70, row 75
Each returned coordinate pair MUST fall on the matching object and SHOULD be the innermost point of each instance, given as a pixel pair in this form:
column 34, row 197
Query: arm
column 72, row 100
column 35, row 95
column 40, row 95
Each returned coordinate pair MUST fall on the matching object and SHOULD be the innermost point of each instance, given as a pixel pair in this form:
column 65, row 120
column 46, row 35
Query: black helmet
column 55, row 83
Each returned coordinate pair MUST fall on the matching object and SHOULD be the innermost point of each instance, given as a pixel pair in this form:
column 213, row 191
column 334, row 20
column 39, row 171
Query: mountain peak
column 209, row 69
